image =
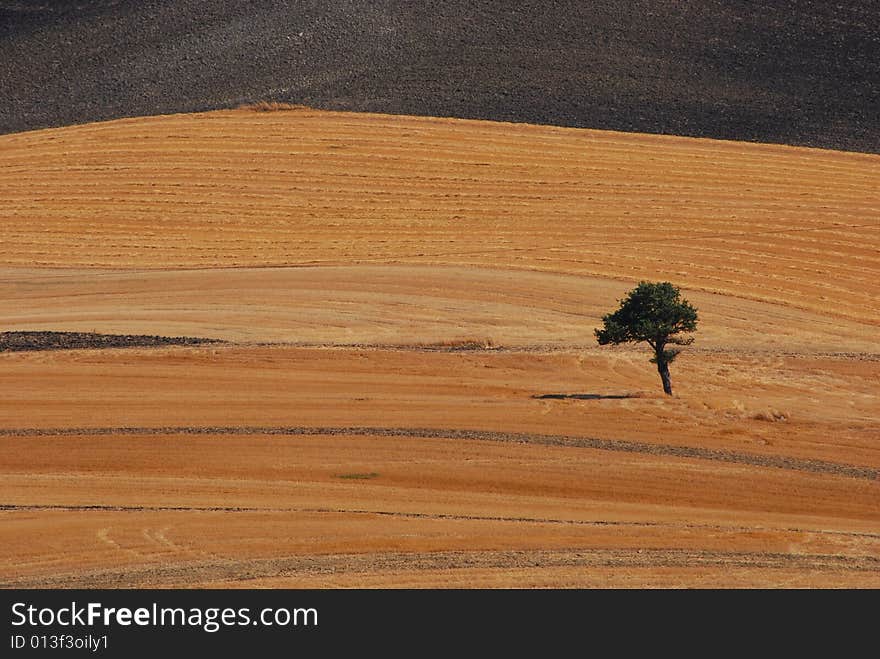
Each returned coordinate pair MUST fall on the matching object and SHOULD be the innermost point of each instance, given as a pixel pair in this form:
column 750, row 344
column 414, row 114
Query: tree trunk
column 663, row 369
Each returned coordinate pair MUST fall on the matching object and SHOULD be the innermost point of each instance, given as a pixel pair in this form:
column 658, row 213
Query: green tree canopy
column 656, row 314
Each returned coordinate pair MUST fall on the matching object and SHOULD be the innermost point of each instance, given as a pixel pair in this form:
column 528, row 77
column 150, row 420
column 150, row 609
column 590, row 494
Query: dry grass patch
column 771, row 415
column 359, row 475
column 453, row 345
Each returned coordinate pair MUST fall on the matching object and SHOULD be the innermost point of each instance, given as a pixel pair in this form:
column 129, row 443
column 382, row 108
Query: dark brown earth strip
column 32, row 341
column 29, row 341
column 624, row 446
column 243, row 571
column 485, row 347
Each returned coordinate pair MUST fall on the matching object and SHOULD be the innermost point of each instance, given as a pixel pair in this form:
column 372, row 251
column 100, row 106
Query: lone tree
column 655, row 313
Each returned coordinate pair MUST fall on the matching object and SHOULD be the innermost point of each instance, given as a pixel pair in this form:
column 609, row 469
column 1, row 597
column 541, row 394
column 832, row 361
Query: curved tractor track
column 814, row 466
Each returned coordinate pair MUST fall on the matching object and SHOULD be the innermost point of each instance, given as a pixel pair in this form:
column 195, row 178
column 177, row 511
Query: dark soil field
column 789, row 71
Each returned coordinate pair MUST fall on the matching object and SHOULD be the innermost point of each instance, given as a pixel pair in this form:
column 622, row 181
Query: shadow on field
column 583, row 396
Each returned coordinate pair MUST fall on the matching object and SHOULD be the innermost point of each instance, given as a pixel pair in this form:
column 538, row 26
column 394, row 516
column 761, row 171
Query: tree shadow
column 583, row 396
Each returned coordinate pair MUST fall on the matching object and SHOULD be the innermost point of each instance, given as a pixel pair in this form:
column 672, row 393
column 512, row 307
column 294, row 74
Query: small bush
column 468, row 343
column 272, row 106
column 771, row 416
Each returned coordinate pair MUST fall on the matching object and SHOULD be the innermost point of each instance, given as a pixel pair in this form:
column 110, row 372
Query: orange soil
column 409, row 234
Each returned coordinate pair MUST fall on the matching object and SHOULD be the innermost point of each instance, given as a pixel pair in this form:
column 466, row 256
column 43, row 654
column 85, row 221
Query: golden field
column 409, row 393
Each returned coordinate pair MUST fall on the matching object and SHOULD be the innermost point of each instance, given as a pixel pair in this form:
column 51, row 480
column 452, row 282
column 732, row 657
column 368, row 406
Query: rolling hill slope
column 409, row 393
column 798, row 227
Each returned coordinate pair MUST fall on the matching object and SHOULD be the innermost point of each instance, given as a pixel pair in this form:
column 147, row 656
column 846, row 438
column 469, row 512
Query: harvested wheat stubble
column 720, row 395
column 153, row 510
column 427, row 307
column 787, row 225
column 306, row 568
column 816, row 466
column 413, row 300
